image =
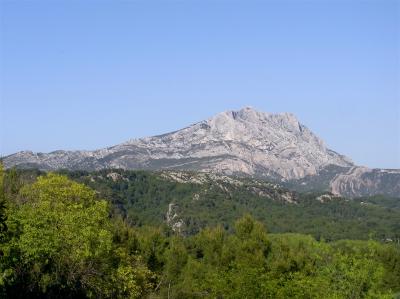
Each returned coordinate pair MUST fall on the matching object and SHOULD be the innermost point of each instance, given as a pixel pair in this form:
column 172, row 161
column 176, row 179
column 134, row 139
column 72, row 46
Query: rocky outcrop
column 363, row 181
column 229, row 184
column 173, row 219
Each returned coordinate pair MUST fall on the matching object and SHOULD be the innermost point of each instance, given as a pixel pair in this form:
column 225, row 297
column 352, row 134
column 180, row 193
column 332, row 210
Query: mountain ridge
column 245, row 142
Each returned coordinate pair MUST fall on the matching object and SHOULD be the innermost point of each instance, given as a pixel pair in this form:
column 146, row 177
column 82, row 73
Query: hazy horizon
column 87, row 75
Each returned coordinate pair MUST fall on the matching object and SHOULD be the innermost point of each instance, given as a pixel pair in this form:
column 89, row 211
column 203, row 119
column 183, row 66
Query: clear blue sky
column 90, row 74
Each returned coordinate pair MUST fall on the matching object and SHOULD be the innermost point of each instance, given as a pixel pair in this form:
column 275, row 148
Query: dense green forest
column 143, row 198
column 82, row 235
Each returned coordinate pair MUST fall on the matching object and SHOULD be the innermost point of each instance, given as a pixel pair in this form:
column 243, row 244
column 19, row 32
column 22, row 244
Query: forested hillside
column 63, row 239
column 201, row 200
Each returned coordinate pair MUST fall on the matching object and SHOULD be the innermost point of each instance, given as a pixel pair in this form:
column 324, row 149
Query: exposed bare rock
column 247, row 142
column 173, row 219
column 363, row 181
column 114, row 176
column 328, row 197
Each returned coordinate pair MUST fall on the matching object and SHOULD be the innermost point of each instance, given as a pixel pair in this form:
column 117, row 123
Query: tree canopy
column 60, row 239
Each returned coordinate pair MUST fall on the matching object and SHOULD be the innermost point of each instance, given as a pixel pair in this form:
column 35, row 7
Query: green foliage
column 251, row 264
column 61, row 240
column 3, row 204
column 143, row 197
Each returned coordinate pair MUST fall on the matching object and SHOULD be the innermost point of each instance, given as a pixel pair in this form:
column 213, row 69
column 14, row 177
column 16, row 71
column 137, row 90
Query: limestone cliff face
column 233, row 142
column 245, row 142
column 363, row 181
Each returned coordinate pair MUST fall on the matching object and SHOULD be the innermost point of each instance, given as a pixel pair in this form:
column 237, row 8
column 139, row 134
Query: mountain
column 245, row 143
column 233, row 142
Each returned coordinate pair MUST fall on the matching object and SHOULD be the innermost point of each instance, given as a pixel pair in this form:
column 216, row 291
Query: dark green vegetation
column 60, row 239
column 143, row 199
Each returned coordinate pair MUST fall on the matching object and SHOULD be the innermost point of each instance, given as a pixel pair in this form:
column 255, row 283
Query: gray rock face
column 245, row 142
column 233, row 142
column 363, row 181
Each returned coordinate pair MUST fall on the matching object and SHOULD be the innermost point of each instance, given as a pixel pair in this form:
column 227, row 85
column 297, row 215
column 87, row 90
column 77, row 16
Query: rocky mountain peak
column 251, row 117
column 246, row 141
column 250, row 125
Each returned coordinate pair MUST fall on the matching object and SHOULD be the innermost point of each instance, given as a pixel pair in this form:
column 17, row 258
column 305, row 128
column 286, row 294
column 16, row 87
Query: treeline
column 60, row 239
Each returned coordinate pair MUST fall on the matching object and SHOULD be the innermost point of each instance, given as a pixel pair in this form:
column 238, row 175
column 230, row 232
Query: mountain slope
column 245, row 142
column 233, row 142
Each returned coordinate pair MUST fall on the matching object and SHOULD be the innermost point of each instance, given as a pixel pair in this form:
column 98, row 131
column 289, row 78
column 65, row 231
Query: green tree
column 61, row 245
column 3, row 207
